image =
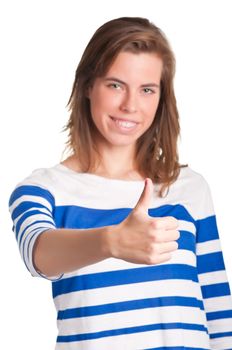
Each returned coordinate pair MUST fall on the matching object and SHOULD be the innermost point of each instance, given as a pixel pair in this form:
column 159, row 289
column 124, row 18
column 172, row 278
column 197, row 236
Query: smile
column 124, row 124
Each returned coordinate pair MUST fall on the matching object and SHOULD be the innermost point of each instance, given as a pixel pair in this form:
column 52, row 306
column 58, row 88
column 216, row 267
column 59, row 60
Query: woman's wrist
column 107, row 241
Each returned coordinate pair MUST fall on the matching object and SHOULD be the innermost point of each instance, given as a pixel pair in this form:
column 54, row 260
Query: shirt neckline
column 98, row 178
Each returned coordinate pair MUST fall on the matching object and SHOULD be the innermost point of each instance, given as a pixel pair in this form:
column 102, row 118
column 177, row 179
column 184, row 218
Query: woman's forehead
column 140, row 66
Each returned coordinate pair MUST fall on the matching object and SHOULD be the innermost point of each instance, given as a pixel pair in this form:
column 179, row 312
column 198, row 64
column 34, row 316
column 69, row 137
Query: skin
column 130, row 91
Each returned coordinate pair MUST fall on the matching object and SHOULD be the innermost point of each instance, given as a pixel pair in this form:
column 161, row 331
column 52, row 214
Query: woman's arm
column 139, row 239
column 64, row 250
column 212, row 276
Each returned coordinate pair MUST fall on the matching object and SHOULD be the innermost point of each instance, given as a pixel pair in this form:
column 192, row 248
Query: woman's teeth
column 124, row 123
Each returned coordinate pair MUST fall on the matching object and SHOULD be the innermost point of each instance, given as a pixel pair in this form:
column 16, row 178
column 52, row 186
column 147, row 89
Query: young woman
column 127, row 235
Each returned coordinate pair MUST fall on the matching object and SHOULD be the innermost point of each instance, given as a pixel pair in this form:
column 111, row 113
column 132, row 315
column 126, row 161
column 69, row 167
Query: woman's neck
column 116, row 163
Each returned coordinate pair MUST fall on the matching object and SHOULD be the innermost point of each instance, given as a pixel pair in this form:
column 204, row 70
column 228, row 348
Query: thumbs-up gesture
column 141, row 238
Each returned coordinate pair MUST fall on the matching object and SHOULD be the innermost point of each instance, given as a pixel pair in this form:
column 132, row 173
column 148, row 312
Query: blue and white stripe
column 184, row 303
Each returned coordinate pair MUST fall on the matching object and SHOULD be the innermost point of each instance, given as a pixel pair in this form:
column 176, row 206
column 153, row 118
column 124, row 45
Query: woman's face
column 123, row 103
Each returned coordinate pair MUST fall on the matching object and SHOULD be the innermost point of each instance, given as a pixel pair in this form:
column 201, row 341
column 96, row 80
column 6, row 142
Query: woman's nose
column 129, row 103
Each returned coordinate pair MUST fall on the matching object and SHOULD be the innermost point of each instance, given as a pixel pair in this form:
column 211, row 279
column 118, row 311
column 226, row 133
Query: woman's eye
column 115, row 86
column 148, row 91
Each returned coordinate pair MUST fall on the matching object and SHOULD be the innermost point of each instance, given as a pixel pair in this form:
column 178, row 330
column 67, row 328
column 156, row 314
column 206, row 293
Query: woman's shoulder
column 191, row 177
column 193, row 191
column 38, row 184
column 41, row 177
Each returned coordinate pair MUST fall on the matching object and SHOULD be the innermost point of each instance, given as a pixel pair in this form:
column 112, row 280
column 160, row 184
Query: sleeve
column 31, row 208
column 212, row 277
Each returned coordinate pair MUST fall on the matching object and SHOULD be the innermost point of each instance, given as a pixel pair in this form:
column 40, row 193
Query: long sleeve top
column 184, row 303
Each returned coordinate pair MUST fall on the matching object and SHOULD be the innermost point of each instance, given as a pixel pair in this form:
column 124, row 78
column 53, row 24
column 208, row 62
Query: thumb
column 145, row 198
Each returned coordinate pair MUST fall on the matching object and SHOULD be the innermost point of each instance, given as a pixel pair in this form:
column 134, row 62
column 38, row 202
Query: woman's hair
column 156, row 152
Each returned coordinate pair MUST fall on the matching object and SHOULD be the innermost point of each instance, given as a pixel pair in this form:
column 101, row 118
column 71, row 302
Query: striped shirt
column 184, row 303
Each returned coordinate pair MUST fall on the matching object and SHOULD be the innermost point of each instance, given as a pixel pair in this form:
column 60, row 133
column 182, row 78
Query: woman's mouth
column 124, row 124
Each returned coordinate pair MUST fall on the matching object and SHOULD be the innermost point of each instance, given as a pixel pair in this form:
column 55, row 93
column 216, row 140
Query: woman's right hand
column 143, row 239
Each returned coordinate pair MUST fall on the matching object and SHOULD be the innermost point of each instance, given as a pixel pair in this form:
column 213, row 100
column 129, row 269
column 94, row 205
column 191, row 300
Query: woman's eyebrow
column 124, row 83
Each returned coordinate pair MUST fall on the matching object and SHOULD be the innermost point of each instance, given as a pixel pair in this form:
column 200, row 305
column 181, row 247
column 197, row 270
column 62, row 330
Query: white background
column 41, row 44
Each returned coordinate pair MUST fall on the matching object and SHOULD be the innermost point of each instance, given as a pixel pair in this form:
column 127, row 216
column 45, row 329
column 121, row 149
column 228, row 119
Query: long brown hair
column 156, row 152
